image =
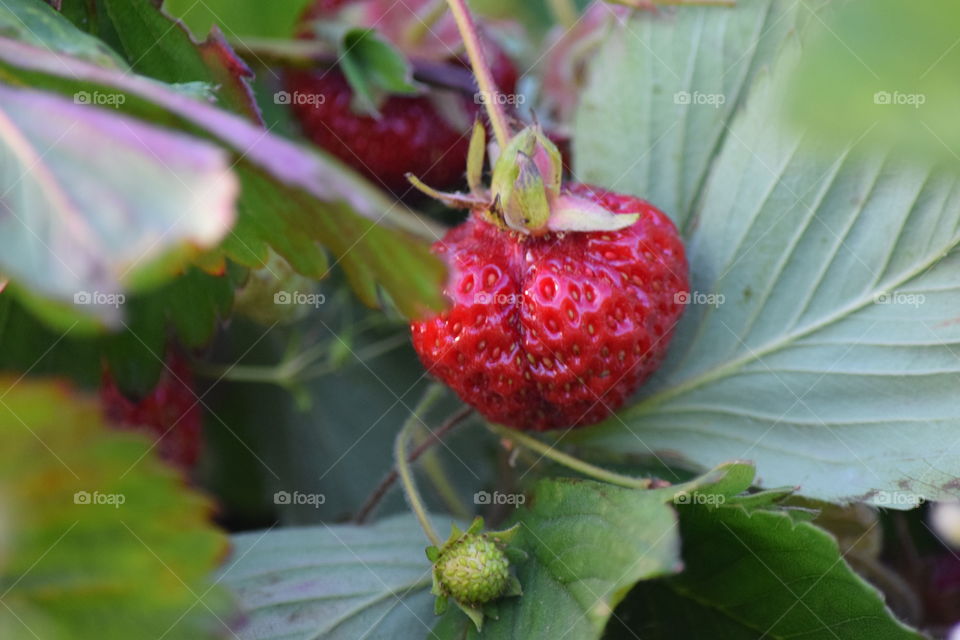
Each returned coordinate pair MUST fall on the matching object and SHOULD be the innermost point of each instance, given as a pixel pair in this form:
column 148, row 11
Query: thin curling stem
column 571, row 462
column 403, row 466
column 481, row 69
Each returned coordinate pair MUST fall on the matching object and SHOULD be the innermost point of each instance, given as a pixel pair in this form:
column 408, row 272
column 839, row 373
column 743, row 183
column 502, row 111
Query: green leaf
column 885, row 70
column 294, row 199
column 74, row 228
column 333, row 582
column 162, row 48
column 661, row 91
column 752, row 574
column 238, row 19
column 37, row 23
column 588, row 543
column 100, row 541
column 374, row 68
column 821, row 342
column 727, row 480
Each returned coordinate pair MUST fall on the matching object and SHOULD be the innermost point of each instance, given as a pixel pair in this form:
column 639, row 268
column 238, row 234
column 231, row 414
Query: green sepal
column 574, row 213
column 531, row 209
column 453, row 200
column 550, row 162
column 526, row 178
column 476, row 526
column 373, row 67
column 475, row 614
column 513, row 588
column 507, row 535
column 506, row 170
column 475, row 157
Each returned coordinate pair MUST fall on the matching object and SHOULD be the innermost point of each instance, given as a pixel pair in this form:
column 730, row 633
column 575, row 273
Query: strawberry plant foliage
column 749, row 572
column 165, row 50
column 61, row 239
column 106, row 541
column 814, row 336
column 667, row 84
column 822, row 342
column 587, row 545
column 337, row 582
column 38, row 24
column 296, row 200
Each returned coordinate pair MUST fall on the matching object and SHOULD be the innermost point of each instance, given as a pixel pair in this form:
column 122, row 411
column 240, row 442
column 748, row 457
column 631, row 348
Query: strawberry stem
column 400, row 455
column 481, row 69
column 571, row 462
column 432, row 438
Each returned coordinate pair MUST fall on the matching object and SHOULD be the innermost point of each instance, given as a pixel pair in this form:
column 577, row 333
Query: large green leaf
column 824, row 343
column 661, row 91
column 293, row 199
column 98, row 539
column 749, row 566
column 588, row 544
column 756, row 574
column 82, row 227
column 333, row 581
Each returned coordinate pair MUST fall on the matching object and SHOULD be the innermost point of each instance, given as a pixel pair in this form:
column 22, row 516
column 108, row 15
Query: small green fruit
column 473, row 570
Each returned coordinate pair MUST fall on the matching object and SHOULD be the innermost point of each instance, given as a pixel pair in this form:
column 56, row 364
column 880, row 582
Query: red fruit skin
column 555, row 331
column 410, row 136
column 170, row 414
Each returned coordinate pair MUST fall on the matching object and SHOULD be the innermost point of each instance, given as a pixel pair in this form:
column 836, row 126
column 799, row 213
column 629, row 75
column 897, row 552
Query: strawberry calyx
column 526, row 192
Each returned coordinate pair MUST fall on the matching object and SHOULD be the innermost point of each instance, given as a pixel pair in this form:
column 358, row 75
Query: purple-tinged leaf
column 92, row 198
column 294, row 199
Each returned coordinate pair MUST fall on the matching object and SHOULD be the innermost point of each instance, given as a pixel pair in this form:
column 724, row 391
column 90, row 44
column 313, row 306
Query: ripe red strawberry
column 413, row 133
column 170, row 414
column 563, row 298
column 558, row 330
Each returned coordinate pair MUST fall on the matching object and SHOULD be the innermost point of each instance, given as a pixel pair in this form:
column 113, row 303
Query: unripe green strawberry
column 473, row 570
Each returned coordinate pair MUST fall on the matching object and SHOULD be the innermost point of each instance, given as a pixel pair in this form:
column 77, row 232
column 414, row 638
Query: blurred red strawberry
column 170, row 414
column 427, row 135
